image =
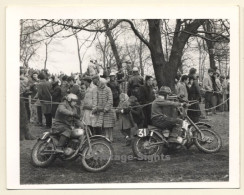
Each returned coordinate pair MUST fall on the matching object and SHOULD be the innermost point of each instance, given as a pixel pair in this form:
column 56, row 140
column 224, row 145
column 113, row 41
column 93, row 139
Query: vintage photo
column 124, row 101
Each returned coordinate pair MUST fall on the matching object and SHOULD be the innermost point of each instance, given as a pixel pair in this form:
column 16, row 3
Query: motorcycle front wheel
column 98, row 157
column 211, row 142
column 39, row 157
column 142, row 149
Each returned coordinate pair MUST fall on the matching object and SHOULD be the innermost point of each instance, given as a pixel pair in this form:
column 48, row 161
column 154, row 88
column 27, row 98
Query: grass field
column 183, row 166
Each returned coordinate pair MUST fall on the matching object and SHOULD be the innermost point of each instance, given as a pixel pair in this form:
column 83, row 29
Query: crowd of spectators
column 111, row 99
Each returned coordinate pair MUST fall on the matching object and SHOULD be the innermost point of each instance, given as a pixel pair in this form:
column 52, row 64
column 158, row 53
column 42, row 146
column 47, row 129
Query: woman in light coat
column 102, row 108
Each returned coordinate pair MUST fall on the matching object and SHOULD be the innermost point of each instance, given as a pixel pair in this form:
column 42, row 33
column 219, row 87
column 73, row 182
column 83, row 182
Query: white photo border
column 14, row 14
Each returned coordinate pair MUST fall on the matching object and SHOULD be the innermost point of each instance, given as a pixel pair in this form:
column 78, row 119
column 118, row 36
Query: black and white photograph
column 148, row 101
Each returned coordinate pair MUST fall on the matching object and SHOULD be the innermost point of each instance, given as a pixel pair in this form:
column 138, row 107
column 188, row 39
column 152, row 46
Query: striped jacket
column 103, row 99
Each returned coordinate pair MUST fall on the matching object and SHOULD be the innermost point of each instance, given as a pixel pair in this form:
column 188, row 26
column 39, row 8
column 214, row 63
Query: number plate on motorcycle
column 142, row 132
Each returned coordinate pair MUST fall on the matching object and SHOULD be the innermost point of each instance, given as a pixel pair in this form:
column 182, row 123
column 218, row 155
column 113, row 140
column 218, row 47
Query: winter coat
column 133, row 85
column 44, row 95
column 103, row 99
column 182, row 91
column 64, row 88
column 114, row 88
column 87, row 106
column 75, row 89
column 146, row 94
column 56, row 97
column 124, row 119
column 138, row 115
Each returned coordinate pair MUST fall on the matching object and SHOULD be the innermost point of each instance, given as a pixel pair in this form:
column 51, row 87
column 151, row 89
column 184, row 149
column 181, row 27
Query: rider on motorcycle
column 164, row 114
column 66, row 118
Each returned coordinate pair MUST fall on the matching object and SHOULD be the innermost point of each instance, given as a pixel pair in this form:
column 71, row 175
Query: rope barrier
column 138, row 106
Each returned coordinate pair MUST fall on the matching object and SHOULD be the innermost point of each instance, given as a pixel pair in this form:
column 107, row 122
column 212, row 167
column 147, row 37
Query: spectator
column 95, row 80
column 114, row 86
column 182, row 88
column 56, row 96
column 208, row 88
column 74, row 88
column 24, row 128
column 137, row 113
column 134, row 83
column 93, row 68
column 87, row 105
column 102, row 108
column 124, row 118
column 177, row 81
column 44, row 94
column 64, row 86
column 146, row 96
column 216, row 91
column 35, row 108
column 194, row 94
column 224, row 86
column 26, row 93
column 121, row 80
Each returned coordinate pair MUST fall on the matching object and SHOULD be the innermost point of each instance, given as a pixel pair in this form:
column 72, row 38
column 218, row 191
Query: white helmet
column 135, row 69
column 72, row 97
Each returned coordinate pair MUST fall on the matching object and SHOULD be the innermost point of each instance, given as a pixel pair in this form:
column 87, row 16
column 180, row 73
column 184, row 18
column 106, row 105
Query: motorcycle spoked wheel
column 210, row 144
column 142, row 150
column 42, row 160
column 100, row 156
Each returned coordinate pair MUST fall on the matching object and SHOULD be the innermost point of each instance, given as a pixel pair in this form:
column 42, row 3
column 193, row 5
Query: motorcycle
column 95, row 150
column 153, row 141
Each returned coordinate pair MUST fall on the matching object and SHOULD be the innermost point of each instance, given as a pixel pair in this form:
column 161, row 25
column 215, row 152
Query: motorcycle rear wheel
column 100, row 156
column 212, row 141
column 141, row 149
column 42, row 160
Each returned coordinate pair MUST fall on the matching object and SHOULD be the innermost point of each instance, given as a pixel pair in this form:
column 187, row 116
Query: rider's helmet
column 164, row 90
column 72, row 97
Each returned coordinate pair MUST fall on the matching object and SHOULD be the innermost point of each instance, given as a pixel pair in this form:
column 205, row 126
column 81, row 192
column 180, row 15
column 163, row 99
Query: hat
column 112, row 74
column 102, row 80
column 135, row 69
column 148, row 77
column 164, row 90
column 87, row 78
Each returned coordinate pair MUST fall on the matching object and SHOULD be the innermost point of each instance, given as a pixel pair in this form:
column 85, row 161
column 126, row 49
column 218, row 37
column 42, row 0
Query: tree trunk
column 78, row 50
column 210, row 45
column 156, row 51
column 113, row 45
column 140, row 59
column 45, row 62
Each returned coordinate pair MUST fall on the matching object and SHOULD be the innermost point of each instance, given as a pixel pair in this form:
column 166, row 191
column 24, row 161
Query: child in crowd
column 136, row 113
column 124, row 118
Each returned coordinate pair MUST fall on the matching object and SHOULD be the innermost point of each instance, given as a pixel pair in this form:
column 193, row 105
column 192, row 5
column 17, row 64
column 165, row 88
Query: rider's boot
column 174, row 134
column 60, row 146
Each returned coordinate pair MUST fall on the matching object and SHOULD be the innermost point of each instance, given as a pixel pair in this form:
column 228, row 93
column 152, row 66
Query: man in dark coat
column 146, row 95
column 56, row 96
column 194, row 94
column 134, row 83
column 64, row 86
column 114, row 86
column 44, row 95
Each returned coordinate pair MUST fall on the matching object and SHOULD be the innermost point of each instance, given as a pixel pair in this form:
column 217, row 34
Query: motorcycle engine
column 71, row 147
